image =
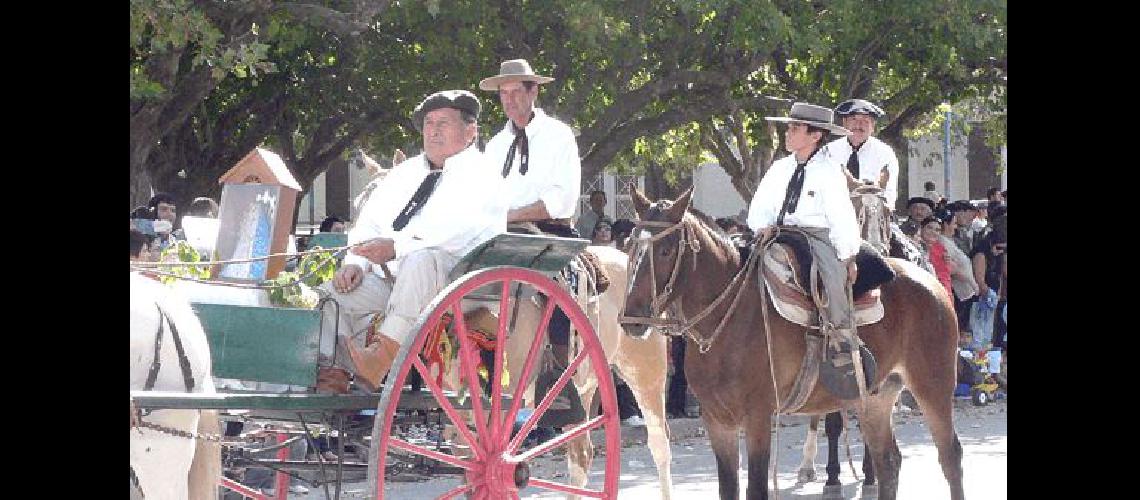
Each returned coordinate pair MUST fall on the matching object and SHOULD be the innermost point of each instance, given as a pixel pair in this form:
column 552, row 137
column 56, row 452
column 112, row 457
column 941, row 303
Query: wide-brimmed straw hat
column 810, row 114
column 515, row 70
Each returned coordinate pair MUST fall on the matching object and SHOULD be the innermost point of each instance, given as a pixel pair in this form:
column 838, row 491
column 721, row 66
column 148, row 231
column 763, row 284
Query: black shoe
column 837, row 371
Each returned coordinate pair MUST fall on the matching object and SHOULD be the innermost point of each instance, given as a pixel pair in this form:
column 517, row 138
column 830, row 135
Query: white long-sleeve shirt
column 460, row 214
column 873, row 156
column 554, row 173
column 824, row 201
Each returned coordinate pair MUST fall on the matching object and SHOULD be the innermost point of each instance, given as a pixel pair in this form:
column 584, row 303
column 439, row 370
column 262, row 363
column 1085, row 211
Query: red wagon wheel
column 496, row 464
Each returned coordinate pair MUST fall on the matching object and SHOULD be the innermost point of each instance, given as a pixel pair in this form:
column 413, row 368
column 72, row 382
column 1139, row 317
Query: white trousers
column 422, row 274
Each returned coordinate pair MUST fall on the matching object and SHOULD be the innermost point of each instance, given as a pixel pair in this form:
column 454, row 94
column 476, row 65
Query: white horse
column 166, row 466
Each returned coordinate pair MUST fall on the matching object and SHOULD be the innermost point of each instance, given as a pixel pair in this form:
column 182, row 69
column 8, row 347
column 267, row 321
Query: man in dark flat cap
column 428, row 213
column 919, row 208
column 864, row 157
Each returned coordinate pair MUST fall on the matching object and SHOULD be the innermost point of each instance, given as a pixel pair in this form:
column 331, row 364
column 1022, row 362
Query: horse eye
column 666, row 251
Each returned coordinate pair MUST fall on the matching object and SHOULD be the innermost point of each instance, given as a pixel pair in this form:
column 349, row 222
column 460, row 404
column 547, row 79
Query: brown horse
column 691, row 265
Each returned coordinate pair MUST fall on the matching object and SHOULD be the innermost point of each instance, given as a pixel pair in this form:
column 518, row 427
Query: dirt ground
column 982, row 431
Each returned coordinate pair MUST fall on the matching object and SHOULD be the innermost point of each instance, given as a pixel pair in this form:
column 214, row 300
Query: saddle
column 786, row 267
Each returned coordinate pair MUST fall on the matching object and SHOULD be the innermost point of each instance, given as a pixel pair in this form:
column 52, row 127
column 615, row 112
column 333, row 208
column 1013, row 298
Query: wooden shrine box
column 256, row 217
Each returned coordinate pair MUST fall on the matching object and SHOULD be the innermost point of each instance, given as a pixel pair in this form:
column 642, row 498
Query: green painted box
column 265, row 344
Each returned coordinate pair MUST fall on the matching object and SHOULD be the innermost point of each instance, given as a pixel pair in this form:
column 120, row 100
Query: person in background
column 333, row 224
column 602, row 234
column 163, row 210
column 590, row 218
column 623, row 228
column 936, row 251
column 203, row 207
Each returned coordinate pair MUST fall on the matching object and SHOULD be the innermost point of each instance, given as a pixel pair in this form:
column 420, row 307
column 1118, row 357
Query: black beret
column 920, row 199
column 858, row 106
column 458, row 99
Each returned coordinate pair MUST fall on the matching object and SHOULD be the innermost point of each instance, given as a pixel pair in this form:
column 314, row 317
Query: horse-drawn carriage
column 473, row 385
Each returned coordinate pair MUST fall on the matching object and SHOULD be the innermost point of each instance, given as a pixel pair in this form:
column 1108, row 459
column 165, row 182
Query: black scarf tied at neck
column 419, row 198
column 523, row 147
column 795, row 187
column 853, row 160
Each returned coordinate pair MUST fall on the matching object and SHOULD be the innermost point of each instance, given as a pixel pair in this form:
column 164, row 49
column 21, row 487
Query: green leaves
column 181, row 251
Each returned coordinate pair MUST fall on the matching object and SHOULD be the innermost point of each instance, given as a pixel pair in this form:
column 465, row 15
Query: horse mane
column 714, row 230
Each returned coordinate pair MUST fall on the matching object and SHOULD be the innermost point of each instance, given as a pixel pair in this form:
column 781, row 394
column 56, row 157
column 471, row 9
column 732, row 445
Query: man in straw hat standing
column 537, row 157
column 427, row 214
column 808, row 190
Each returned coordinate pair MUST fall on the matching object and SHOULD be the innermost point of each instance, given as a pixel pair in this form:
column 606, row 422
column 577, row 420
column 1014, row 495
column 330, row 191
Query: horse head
column 655, row 249
column 874, row 217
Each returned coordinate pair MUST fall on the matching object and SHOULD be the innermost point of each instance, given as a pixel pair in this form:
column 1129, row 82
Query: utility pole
column 946, row 156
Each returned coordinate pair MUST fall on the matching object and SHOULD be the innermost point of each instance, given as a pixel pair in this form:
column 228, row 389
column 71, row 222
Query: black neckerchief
column 523, row 145
column 416, row 203
column 853, row 160
column 795, row 186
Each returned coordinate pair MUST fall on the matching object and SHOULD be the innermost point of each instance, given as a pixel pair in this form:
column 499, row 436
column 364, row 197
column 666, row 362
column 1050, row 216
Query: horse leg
column 206, row 468
column 833, row 426
column 807, row 464
column 758, row 436
column 879, row 440
column 646, row 378
column 725, row 441
column 937, row 409
column 580, row 450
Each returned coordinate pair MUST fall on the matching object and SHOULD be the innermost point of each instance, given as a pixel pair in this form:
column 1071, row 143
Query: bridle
column 688, row 240
column 676, row 323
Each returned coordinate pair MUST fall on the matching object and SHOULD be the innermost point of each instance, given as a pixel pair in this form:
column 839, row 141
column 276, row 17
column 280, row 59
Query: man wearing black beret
column 428, row 213
column 864, row 157
column 919, row 208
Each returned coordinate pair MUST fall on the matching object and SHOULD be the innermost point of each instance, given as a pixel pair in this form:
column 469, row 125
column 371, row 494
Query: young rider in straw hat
column 808, row 190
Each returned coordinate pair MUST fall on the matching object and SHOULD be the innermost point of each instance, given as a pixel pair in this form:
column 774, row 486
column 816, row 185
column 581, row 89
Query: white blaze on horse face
column 641, row 244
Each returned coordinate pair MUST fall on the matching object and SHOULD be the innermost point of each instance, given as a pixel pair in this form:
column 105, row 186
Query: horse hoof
column 870, row 491
column 832, row 492
column 806, row 475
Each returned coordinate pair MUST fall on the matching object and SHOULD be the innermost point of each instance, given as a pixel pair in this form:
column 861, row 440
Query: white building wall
column 714, row 194
column 925, row 163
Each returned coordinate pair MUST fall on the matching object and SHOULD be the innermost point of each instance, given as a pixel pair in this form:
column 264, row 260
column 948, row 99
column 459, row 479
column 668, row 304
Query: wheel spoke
column 546, row 401
column 420, row 450
column 497, row 425
column 565, row 488
column 466, row 350
column 531, row 360
column 445, row 404
column 581, row 429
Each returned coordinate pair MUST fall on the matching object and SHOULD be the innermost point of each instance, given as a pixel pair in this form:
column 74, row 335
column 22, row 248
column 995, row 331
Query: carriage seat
column 786, row 267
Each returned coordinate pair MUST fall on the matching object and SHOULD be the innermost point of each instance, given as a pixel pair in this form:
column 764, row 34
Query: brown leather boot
column 372, row 362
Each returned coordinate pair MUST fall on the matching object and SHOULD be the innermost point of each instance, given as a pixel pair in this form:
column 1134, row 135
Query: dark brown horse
column 683, row 266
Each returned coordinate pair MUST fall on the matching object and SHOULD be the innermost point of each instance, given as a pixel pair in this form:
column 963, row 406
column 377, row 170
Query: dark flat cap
column 858, row 106
column 458, row 99
column 920, row 199
column 961, row 206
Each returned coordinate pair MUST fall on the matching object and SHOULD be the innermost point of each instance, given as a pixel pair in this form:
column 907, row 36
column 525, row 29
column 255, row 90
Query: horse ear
column 681, row 205
column 640, row 203
column 398, row 157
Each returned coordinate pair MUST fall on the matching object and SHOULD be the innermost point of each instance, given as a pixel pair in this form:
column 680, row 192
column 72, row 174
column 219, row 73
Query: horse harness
column 152, row 378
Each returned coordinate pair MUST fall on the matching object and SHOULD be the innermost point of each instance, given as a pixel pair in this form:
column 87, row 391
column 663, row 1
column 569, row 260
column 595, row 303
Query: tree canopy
column 645, row 83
